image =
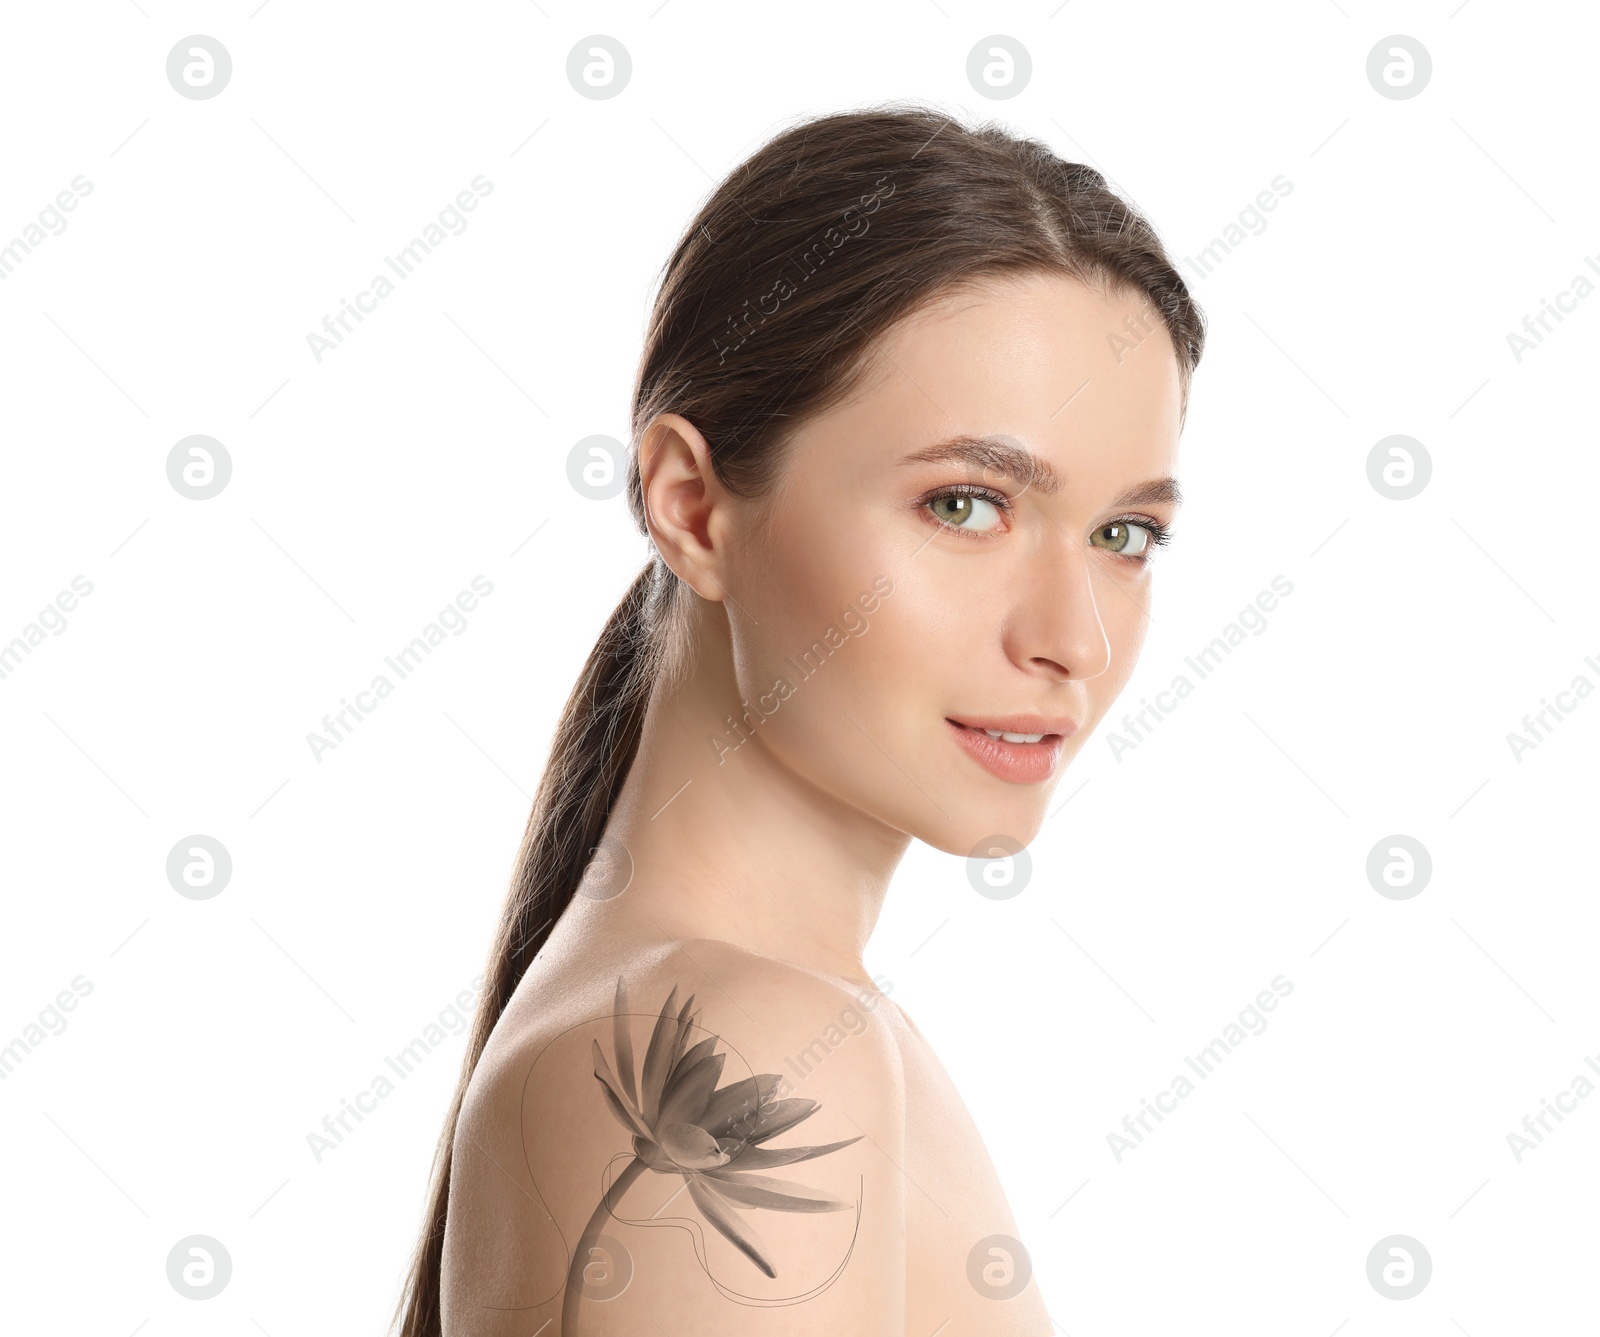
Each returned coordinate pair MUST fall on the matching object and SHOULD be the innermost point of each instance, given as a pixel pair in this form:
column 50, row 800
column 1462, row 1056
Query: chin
column 975, row 818
column 988, row 792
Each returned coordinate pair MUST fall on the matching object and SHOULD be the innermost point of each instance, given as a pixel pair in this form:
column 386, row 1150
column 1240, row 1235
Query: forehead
column 1087, row 378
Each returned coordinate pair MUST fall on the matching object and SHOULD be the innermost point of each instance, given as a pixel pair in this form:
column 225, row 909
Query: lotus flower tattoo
column 683, row 1123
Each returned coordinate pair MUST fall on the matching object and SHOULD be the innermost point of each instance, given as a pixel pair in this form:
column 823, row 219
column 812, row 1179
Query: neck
column 728, row 842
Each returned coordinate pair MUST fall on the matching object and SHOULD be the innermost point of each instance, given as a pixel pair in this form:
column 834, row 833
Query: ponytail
column 594, row 746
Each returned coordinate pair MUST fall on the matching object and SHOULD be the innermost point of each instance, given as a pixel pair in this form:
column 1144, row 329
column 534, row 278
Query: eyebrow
column 1000, row 456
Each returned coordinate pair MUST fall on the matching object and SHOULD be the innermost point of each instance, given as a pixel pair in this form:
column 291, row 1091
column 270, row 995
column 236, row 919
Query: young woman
column 905, row 430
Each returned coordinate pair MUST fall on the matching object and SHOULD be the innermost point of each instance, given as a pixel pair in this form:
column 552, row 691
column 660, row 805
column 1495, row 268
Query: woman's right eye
column 970, row 512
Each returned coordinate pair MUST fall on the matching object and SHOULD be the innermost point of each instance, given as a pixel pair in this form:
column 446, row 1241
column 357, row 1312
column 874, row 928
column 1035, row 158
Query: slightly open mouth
column 1016, row 738
column 1018, row 758
column 1001, row 736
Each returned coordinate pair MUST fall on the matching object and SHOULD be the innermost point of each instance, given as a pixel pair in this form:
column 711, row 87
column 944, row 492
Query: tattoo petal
column 656, row 1056
column 622, row 1042
column 733, row 1227
column 774, row 1194
column 762, row 1158
column 782, row 1115
column 690, row 1146
column 736, row 1108
column 620, row 1106
column 688, row 1094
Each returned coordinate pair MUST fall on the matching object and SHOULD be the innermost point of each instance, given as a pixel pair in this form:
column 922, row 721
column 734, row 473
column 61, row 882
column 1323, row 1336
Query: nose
column 1055, row 628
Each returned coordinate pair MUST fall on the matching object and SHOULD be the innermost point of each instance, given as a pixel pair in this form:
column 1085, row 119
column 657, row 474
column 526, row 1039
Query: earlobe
column 684, row 503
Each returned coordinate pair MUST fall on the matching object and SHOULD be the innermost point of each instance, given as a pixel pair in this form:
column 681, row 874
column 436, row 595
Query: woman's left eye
column 966, row 511
column 1127, row 539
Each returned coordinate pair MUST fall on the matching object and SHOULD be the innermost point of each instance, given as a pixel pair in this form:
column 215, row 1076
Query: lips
column 1016, row 737
column 1026, row 750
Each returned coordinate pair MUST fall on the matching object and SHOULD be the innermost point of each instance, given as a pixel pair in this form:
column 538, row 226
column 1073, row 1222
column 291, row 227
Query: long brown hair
column 774, row 295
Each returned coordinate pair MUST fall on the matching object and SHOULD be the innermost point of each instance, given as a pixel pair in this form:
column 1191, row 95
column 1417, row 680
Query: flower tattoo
column 683, row 1123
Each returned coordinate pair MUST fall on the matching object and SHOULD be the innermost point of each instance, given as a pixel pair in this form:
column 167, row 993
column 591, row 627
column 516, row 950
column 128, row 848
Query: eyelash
column 1160, row 534
column 1001, row 503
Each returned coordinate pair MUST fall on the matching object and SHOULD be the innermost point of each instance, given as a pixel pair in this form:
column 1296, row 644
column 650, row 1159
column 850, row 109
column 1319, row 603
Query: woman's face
column 964, row 546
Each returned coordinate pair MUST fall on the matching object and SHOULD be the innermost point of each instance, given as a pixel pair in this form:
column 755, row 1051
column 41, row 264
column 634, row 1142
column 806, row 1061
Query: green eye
column 1122, row 538
column 963, row 510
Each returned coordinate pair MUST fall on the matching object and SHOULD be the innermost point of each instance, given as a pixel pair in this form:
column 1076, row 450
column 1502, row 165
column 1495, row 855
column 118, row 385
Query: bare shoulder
column 698, row 1135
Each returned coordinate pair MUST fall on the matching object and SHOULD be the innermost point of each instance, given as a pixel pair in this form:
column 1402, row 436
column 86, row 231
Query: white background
column 1169, row 887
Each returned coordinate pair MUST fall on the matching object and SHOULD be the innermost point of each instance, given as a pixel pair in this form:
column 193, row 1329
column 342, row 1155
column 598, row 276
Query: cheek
column 834, row 660
column 1123, row 616
column 850, row 723
column 820, row 556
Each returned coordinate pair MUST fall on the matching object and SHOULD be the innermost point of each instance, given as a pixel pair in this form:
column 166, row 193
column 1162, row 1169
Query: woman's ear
column 685, row 506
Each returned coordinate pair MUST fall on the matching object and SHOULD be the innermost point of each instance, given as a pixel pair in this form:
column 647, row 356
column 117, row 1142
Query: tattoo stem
column 580, row 1255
